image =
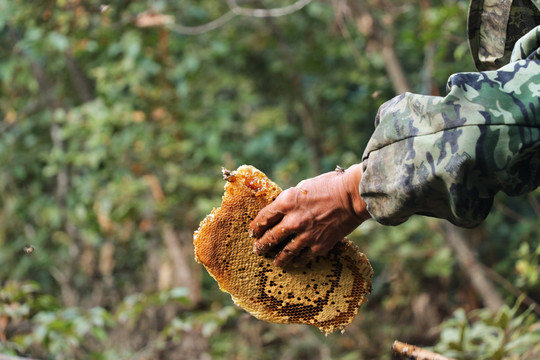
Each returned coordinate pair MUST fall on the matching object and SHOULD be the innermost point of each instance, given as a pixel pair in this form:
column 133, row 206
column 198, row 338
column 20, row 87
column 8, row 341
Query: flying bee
column 227, row 174
column 339, row 169
column 29, row 249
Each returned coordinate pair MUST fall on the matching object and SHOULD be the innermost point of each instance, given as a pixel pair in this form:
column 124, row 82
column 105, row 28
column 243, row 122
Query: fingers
column 293, row 249
column 301, row 250
column 272, row 214
column 304, row 258
column 272, row 237
column 275, row 234
column 266, row 219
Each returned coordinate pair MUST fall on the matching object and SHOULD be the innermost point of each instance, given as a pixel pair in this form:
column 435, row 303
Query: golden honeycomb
column 326, row 293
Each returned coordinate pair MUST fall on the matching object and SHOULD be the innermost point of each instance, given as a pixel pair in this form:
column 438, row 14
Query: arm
column 438, row 156
column 310, row 218
column 448, row 157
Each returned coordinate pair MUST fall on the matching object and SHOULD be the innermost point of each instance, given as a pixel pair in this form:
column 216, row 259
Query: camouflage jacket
column 448, row 156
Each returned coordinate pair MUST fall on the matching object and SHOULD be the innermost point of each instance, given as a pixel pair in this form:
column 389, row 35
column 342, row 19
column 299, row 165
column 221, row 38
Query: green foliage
column 527, row 266
column 131, row 308
column 507, row 334
column 112, row 137
column 62, row 333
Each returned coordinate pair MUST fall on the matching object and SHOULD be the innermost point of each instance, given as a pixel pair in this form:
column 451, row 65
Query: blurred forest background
column 115, row 119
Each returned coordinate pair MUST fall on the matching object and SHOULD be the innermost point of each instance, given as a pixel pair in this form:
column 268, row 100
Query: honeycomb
column 326, row 293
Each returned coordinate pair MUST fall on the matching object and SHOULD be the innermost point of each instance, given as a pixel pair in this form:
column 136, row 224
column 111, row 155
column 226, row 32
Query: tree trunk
column 472, row 268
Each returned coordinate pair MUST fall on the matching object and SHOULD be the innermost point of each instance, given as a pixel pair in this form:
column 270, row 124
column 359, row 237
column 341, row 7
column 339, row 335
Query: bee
column 339, row 169
column 227, row 174
column 29, row 249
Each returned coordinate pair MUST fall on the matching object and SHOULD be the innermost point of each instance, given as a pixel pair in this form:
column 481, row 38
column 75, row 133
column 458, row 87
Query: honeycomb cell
column 327, row 293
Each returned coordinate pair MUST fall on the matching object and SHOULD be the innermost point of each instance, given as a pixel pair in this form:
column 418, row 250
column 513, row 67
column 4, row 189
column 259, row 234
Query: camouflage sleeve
column 448, row 156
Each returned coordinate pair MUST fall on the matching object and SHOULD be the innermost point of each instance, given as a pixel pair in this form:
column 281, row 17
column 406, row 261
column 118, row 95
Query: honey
column 326, row 293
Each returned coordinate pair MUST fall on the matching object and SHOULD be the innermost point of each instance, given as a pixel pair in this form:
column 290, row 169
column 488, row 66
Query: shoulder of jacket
column 494, row 26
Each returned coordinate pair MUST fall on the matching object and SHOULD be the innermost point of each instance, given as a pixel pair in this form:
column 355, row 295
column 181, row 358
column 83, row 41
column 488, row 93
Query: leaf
column 58, row 41
column 179, row 293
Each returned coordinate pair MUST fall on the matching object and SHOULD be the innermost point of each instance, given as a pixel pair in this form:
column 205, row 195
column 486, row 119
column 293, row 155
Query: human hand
column 309, row 219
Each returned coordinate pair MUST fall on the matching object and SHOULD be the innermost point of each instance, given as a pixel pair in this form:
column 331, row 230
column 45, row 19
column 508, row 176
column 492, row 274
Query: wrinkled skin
column 309, row 219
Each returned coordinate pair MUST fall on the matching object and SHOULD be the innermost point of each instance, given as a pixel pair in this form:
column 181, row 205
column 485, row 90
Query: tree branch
column 151, row 19
column 402, row 350
column 81, row 83
column 9, row 357
column 393, row 66
column 473, row 268
column 341, row 10
column 185, row 275
column 534, row 203
column 201, row 29
column 378, row 38
column 527, row 300
column 275, row 12
column 305, row 110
